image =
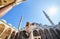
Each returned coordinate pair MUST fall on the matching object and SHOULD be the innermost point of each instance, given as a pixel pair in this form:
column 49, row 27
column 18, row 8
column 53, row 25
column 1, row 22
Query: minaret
column 48, row 18
column 20, row 23
column 19, row 26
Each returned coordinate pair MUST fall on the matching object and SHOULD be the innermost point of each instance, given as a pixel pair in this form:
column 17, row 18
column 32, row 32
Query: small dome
column 3, row 20
column 9, row 24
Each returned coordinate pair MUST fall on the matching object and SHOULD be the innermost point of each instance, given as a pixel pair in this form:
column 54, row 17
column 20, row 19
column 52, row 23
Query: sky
column 32, row 11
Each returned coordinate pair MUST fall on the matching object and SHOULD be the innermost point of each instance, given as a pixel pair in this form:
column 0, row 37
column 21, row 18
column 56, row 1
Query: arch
column 47, row 34
column 16, row 36
column 58, row 33
column 41, row 33
column 35, row 33
column 2, row 27
column 12, row 35
column 6, row 33
column 53, row 34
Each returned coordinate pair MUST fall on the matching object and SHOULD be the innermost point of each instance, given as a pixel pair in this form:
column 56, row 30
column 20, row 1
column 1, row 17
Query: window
column 38, row 38
column 35, row 38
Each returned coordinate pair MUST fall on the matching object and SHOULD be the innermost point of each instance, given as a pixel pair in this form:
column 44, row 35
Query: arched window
column 58, row 33
column 6, row 33
column 35, row 33
column 16, row 36
column 41, row 33
column 25, row 34
column 12, row 35
column 2, row 27
column 53, row 34
column 47, row 34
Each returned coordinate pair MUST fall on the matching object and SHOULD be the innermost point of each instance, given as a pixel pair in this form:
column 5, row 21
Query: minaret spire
column 20, row 23
column 48, row 18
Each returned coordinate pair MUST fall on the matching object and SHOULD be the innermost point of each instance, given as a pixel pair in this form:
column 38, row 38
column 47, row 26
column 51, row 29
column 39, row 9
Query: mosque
column 31, row 30
column 39, row 31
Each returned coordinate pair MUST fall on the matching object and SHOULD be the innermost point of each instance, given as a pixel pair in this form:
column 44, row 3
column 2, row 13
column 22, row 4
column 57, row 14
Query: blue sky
column 31, row 10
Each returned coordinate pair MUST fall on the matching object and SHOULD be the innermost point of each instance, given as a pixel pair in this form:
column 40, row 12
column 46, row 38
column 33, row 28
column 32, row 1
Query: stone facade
column 6, row 30
column 30, row 31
